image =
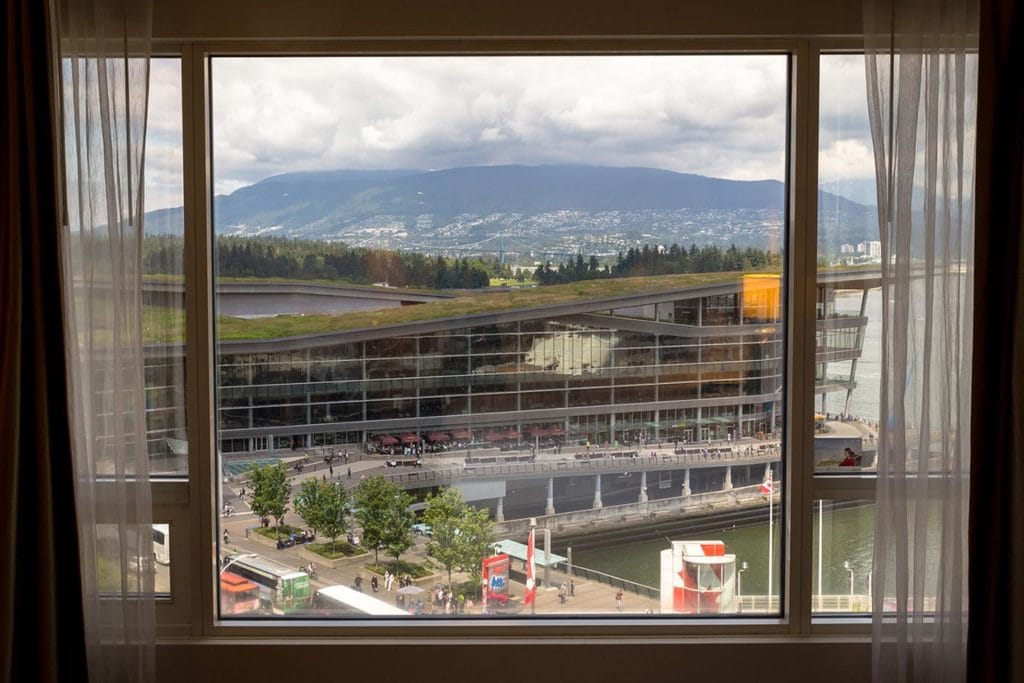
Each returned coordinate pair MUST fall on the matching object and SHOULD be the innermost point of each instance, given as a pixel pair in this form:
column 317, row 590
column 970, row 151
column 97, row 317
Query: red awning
column 555, row 431
column 388, row 440
column 511, row 434
column 493, row 436
column 410, row 438
column 437, row 437
column 537, row 432
column 462, row 434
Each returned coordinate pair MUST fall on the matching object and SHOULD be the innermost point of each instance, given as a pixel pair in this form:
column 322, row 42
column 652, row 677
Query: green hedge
column 333, row 550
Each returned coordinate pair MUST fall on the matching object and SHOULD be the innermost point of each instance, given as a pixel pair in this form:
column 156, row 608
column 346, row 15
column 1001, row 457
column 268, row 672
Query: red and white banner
column 768, row 486
column 531, row 582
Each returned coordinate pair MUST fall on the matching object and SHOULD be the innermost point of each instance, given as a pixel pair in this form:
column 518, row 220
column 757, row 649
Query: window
column 447, row 361
column 471, row 265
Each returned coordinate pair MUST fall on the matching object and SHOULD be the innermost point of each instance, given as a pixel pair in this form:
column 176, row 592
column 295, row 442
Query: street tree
column 382, row 510
column 270, row 490
column 461, row 534
column 322, row 505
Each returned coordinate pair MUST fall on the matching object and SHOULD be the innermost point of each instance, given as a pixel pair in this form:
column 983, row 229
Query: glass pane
column 133, row 561
column 842, row 550
column 162, row 559
column 849, row 306
column 163, row 279
column 457, row 294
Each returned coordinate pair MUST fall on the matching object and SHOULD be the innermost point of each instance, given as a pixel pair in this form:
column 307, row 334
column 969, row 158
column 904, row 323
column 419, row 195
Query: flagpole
column 771, row 534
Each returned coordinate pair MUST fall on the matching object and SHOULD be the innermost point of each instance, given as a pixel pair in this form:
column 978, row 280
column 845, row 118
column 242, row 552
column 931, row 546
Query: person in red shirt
column 850, row 460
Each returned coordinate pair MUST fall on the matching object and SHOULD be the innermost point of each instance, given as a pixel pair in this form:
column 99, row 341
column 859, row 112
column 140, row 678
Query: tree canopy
column 461, row 534
column 270, row 489
column 322, row 505
column 382, row 510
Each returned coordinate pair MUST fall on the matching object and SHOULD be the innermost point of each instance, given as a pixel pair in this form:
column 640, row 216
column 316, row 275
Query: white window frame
column 189, row 504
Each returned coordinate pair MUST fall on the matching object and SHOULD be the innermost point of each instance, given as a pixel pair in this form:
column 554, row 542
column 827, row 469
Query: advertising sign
column 495, row 578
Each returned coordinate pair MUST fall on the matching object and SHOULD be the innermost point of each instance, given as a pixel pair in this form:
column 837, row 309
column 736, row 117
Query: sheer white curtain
column 921, row 73
column 104, row 60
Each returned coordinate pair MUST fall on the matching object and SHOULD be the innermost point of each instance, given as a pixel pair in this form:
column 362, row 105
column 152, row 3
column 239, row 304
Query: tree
column 382, row 510
column 461, row 534
column 270, row 490
column 322, row 505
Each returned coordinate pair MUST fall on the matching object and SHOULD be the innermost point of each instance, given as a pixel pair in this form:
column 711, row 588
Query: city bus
column 237, row 594
column 162, row 543
column 282, row 589
column 337, row 600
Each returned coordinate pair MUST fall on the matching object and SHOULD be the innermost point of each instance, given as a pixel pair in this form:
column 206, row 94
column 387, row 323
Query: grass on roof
column 167, row 325
column 469, row 304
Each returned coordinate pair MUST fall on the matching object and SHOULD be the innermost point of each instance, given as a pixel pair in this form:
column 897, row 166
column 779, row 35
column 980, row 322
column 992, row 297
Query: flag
column 767, row 486
column 531, row 583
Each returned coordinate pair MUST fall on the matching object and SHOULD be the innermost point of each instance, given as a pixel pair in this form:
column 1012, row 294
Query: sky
column 720, row 116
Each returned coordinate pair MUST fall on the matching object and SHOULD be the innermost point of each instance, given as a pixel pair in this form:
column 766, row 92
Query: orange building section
column 762, row 297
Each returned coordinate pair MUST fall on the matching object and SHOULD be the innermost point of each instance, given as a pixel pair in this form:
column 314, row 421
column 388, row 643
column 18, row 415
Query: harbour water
column 847, row 535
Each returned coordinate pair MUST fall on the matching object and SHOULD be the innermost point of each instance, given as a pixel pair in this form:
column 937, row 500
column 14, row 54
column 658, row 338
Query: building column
column 597, row 492
column 643, row 487
column 499, row 514
column 686, row 482
column 549, row 509
column 728, row 478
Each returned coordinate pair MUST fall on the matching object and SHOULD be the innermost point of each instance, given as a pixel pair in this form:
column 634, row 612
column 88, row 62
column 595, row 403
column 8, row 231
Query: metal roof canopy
column 518, row 551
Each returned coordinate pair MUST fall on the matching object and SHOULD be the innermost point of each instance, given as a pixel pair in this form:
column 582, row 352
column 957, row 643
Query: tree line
column 648, row 260
column 269, row 257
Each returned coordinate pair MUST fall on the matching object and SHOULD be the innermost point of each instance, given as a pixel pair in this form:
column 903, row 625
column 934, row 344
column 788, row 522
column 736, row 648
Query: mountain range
column 549, row 208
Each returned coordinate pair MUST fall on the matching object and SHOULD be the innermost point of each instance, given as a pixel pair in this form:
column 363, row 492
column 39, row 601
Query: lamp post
column 846, row 566
column 739, row 578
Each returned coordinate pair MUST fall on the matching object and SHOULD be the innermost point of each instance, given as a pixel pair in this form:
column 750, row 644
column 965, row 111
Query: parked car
column 422, row 529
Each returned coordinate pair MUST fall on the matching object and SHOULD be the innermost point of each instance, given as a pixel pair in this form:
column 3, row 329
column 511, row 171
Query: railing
column 617, row 582
column 717, row 458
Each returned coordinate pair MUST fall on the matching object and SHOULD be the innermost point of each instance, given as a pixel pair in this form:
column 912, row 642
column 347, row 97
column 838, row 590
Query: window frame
column 189, row 504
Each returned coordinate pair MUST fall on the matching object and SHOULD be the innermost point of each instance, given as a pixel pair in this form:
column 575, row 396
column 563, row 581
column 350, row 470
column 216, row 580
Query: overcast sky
column 720, row 116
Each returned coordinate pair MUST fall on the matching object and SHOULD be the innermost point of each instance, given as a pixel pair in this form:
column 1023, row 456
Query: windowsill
column 718, row 658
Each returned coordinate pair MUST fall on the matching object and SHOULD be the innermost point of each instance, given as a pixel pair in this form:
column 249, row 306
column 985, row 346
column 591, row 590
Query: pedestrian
column 331, row 470
column 374, row 584
column 572, row 588
column 349, row 472
column 225, row 536
column 618, row 600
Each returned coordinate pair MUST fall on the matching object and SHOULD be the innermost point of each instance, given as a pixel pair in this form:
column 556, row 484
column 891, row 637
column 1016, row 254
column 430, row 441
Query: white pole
column 821, row 525
column 771, row 534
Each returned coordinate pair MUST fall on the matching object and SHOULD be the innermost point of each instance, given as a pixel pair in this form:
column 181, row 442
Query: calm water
column 847, row 536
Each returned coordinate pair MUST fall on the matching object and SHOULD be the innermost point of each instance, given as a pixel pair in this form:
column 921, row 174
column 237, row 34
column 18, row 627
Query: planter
column 308, row 554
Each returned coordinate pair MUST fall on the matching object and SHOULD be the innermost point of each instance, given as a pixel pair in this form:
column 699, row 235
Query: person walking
column 572, row 588
column 618, row 600
column 349, row 472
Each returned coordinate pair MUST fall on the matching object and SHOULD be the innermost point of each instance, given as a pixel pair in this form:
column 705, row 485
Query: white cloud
column 721, row 116
column 714, row 115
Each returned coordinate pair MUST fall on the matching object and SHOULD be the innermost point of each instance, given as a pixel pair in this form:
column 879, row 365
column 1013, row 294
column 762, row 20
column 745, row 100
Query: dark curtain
column 41, row 625
column 995, row 643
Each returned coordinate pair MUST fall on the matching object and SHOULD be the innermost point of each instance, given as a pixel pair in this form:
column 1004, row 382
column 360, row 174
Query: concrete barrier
column 635, row 512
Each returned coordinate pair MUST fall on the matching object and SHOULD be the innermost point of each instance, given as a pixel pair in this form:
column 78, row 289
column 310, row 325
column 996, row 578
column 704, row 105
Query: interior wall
column 812, row 660
column 272, row 19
